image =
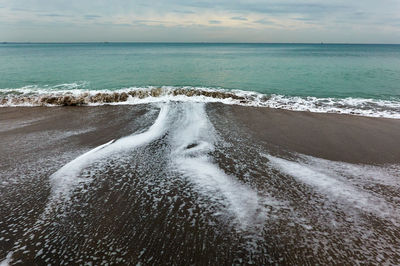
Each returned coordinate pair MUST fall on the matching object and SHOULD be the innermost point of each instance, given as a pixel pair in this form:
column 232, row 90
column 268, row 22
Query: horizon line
column 166, row 42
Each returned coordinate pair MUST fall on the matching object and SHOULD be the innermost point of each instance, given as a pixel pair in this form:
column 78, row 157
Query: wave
column 76, row 95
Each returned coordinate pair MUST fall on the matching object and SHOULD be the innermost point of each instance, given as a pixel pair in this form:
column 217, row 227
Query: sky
column 304, row 21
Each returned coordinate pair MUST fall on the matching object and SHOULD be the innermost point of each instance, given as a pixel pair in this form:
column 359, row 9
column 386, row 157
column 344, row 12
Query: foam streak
column 193, row 139
column 330, row 182
column 66, row 177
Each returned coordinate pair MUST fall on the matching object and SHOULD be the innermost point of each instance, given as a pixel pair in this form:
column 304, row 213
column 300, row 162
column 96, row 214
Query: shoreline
column 75, row 94
column 338, row 137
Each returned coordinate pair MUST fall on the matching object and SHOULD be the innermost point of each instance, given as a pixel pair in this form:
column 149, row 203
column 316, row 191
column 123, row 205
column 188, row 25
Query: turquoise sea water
column 319, row 70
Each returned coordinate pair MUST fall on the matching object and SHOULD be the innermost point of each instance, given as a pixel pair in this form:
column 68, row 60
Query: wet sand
column 335, row 137
column 345, row 138
column 214, row 184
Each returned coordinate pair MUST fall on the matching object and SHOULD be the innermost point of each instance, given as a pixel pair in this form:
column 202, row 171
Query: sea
column 359, row 79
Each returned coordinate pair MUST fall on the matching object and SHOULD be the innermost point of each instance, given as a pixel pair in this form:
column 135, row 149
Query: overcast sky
column 363, row 21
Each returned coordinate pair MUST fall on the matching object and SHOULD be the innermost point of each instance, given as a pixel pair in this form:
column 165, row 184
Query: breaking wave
column 76, row 95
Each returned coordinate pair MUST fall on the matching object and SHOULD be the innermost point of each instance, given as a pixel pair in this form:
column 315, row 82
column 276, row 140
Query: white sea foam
column 352, row 106
column 192, row 139
column 67, row 177
column 332, row 179
column 34, row 96
column 388, row 175
column 7, row 260
column 241, row 200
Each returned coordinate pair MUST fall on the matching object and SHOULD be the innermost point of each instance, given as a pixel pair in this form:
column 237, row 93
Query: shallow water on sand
column 180, row 183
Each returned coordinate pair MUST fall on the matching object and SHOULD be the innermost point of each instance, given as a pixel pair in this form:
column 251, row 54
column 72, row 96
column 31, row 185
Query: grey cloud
column 264, row 22
column 270, row 7
column 184, row 6
column 19, row 9
column 146, row 20
column 239, row 18
column 304, row 19
column 184, row 11
column 53, row 15
column 344, row 18
column 90, row 17
column 305, row 8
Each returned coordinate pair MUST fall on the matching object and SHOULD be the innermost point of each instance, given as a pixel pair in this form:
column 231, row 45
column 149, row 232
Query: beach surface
column 197, row 183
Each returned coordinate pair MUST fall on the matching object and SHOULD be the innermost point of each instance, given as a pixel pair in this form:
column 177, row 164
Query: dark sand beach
column 194, row 183
column 334, row 137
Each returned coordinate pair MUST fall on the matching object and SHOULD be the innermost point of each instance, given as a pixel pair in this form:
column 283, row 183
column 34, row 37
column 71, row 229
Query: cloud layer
column 201, row 21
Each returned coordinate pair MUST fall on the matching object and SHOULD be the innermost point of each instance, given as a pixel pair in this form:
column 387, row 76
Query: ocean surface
column 340, row 78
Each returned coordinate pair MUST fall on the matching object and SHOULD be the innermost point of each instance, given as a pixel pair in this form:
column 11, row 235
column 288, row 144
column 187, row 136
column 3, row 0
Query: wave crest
column 20, row 97
column 32, row 96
